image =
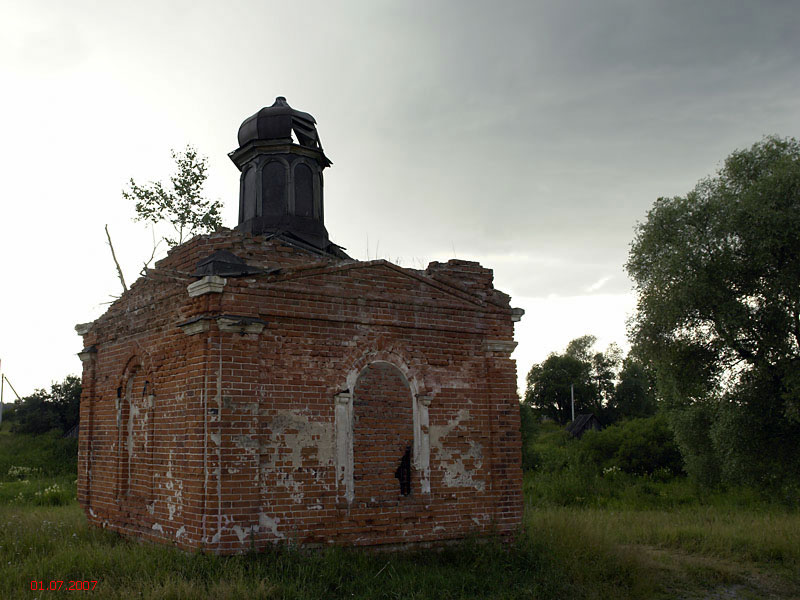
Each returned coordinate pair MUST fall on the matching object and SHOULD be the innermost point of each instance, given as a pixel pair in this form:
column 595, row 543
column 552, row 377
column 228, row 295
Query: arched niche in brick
column 134, row 406
column 377, row 419
column 383, row 433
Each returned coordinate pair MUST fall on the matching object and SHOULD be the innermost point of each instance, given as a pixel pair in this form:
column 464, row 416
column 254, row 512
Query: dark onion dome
column 276, row 122
column 281, row 187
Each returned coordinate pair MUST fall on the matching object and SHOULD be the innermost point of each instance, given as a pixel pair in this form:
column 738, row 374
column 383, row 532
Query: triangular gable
column 381, row 275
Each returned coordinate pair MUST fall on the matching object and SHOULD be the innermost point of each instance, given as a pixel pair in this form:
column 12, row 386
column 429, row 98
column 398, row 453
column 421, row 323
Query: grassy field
column 639, row 542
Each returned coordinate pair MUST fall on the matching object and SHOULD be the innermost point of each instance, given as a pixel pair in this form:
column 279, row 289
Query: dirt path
column 684, row 574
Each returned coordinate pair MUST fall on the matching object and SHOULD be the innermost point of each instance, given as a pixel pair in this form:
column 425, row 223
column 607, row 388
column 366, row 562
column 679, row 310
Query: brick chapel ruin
column 259, row 385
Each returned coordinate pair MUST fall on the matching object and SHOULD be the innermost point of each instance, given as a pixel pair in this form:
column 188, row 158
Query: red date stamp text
column 69, row 586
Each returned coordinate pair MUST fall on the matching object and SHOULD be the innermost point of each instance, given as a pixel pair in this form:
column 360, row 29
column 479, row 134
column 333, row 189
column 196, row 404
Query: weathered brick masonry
column 280, row 402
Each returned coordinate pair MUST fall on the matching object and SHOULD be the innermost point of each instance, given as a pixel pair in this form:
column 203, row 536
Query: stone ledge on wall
column 210, row 284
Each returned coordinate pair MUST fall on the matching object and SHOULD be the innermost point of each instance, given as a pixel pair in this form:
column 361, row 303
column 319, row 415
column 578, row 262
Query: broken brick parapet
column 253, row 249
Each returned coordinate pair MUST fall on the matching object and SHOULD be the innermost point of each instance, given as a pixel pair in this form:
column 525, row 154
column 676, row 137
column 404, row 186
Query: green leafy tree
column 604, row 372
column 634, row 394
column 548, row 387
column 44, row 411
column 581, row 348
column 590, row 373
column 717, row 274
column 183, row 206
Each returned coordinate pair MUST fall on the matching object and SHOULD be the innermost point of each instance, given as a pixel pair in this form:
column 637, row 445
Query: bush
column 755, row 438
column 45, row 411
column 692, row 427
column 529, row 430
column 9, row 412
column 639, row 447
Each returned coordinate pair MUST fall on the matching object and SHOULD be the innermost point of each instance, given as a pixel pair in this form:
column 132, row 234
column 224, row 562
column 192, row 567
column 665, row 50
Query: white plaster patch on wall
column 285, row 480
column 270, row 524
column 462, row 378
column 181, row 531
column 291, row 436
column 174, row 497
column 480, row 520
column 157, row 527
column 246, row 442
column 240, row 533
column 343, row 426
column 304, row 434
column 215, row 437
column 455, row 471
column 438, row 432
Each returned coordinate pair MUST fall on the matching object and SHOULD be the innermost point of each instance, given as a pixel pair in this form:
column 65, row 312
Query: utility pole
column 3, row 381
column 2, row 389
column 572, row 397
column 12, row 387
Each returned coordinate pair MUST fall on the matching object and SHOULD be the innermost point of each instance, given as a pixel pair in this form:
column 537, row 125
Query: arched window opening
column 249, row 195
column 303, row 191
column 273, row 189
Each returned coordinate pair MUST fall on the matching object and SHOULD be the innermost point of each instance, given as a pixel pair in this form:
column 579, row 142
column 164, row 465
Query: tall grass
column 49, row 454
column 769, row 538
column 562, row 553
column 55, row 544
column 585, row 536
column 38, row 491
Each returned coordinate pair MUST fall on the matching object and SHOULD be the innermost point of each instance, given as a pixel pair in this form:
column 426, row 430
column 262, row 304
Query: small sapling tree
column 183, row 206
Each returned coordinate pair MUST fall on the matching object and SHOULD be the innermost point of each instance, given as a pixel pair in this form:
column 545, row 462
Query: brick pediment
column 380, row 281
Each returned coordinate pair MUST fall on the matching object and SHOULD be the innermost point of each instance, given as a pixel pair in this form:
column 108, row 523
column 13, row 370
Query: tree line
column 602, row 383
column 44, row 411
column 716, row 334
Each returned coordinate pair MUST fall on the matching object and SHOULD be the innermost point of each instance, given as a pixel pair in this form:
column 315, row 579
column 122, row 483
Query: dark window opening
column 403, row 472
column 303, row 191
column 273, row 189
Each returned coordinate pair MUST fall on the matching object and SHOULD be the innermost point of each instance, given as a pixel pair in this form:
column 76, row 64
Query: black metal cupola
column 281, row 182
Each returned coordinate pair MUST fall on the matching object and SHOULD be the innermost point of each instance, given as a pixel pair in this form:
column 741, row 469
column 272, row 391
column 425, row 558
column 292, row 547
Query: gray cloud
column 551, row 129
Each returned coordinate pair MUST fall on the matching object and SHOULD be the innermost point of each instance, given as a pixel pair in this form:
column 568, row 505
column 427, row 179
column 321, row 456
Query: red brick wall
column 235, row 441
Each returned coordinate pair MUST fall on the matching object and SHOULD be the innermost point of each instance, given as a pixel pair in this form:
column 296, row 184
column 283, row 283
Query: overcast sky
column 530, row 136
